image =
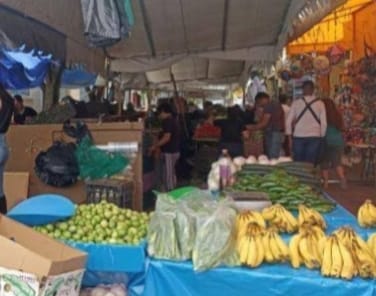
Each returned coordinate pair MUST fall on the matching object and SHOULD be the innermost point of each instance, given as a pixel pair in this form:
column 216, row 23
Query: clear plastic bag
column 162, row 237
column 164, row 203
column 214, row 244
column 185, row 225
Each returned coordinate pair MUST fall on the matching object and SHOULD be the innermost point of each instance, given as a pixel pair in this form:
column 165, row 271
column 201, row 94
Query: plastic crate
column 119, row 192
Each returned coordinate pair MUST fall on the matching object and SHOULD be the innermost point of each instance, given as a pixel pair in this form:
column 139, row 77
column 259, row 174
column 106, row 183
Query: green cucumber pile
column 284, row 189
column 305, row 172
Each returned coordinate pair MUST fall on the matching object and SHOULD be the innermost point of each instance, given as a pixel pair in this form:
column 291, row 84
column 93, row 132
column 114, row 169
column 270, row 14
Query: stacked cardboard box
column 32, row 264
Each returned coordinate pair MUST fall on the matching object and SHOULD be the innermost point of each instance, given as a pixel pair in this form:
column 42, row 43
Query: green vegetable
column 284, row 188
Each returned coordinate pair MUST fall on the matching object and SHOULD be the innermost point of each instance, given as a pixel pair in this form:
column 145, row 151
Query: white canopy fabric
column 211, row 39
column 191, row 35
column 64, row 16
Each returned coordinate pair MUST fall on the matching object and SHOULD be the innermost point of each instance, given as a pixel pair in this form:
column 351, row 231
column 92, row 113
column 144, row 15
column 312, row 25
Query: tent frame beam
column 224, row 24
column 147, row 27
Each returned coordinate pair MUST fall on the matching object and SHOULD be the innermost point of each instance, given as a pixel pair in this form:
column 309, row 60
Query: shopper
column 169, row 144
column 334, row 144
column 6, row 112
column 272, row 123
column 286, row 105
column 232, row 129
column 306, row 126
column 22, row 113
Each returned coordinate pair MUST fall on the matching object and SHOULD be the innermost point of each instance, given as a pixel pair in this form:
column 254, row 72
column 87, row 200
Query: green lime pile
column 102, row 223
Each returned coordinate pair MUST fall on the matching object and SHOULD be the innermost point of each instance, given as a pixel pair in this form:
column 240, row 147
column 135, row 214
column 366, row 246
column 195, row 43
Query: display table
column 178, row 278
column 171, row 279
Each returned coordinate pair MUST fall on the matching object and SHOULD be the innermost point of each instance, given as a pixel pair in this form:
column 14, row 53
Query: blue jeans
column 3, row 159
column 273, row 144
column 306, row 149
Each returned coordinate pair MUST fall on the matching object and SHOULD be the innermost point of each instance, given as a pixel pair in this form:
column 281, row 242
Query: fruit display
column 257, row 245
column 367, row 214
column 279, row 218
column 245, row 218
column 284, row 189
column 310, row 216
column 364, row 260
column 102, row 223
column 250, row 246
column 306, row 247
column 275, row 249
column 337, row 260
column 372, row 244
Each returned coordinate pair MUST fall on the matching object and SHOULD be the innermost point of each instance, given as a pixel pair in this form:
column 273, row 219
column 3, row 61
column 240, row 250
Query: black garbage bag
column 58, row 166
column 78, row 131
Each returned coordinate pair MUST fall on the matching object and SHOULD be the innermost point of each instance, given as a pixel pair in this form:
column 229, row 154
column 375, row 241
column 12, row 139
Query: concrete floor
column 357, row 192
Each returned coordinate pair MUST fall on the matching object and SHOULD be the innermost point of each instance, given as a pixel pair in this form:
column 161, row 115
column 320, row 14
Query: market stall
column 194, row 241
column 27, row 141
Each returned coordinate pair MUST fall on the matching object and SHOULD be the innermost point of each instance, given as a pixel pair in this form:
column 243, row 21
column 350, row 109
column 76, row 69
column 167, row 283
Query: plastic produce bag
column 186, row 229
column 162, row 237
column 215, row 238
column 164, row 203
column 196, row 203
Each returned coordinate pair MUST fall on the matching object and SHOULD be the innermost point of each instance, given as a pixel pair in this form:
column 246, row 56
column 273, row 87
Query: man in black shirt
column 169, row 145
column 22, row 113
column 232, row 129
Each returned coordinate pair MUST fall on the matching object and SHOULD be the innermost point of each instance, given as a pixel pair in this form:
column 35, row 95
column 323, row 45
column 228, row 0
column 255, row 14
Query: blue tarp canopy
column 77, row 78
column 21, row 70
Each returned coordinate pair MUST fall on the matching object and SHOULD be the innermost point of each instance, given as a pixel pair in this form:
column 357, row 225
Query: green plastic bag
column 97, row 164
column 182, row 192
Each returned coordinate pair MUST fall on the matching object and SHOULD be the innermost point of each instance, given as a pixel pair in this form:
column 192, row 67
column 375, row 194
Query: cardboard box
column 16, row 187
column 32, row 264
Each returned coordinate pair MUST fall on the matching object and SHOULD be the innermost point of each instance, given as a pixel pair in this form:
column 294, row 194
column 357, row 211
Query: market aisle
column 354, row 196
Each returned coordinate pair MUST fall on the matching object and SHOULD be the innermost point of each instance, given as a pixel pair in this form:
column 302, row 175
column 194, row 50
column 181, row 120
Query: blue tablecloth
column 178, row 278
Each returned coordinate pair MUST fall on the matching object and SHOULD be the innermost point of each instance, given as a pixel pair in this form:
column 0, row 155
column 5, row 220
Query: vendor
column 22, row 113
column 272, row 123
column 6, row 112
column 169, row 144
column 232, row 129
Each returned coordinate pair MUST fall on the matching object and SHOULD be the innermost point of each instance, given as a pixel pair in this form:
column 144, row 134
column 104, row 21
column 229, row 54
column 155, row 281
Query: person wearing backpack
column 6, row 113
column 306, row 126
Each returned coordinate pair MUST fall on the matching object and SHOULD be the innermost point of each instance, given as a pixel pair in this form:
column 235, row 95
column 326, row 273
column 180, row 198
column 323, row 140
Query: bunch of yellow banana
column 347, row 235
column 306, row 247
column 250, row 246
column 253, row 229
column 337, row 260
column 243, row 219
column 275, row 248
column 367, row 214
column 364, row 259
column 372, row 243
column 279, row 218
column 310, row 216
